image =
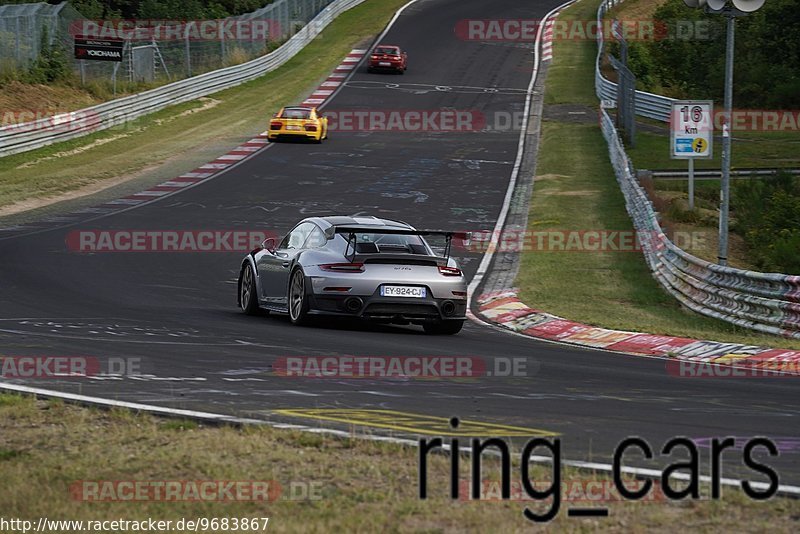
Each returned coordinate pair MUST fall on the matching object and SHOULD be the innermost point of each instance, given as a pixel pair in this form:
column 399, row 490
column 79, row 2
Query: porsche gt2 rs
column 363, row 267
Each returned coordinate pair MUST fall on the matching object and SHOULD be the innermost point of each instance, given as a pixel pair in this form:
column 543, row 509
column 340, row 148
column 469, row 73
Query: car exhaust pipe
column 353, row 304
column 448, row 308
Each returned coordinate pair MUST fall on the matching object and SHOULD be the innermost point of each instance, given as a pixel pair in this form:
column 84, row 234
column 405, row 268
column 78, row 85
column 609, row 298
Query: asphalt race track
column 177, row 311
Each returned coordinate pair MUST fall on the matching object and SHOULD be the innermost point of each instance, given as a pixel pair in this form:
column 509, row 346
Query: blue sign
column 683, row 145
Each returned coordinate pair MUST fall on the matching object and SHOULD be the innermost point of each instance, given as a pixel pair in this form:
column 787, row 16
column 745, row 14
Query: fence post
column 19, row 47
column 187, row 52
column 222, row 47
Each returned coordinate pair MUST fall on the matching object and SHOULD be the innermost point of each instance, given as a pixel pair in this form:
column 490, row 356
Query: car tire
column 248, row 301
column 443, row 328
column 296, row 300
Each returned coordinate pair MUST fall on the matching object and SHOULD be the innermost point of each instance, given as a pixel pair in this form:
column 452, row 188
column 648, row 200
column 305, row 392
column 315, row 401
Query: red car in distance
column 387, row 57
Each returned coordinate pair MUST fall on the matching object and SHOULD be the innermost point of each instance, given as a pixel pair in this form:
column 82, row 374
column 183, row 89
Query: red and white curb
column 336, row 78
column 504, row 309
column 195, row 176
column 203, row 172
column 547, row 39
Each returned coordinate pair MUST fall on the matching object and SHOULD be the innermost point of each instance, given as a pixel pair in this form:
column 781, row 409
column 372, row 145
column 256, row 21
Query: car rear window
column 376, row 243
column 296, row 113
column 386, row 50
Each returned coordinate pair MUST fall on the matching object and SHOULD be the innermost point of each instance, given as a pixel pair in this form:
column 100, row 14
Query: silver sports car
column 363, row 267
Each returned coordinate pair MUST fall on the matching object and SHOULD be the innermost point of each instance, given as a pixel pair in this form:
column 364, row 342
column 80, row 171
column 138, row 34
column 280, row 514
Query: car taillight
column 449, row 271
column 311, row 127
column 343, row 267
column 374, row 56
column 275, row 125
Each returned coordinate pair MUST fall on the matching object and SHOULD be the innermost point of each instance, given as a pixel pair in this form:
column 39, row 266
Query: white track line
column 228, row 419
column 501, row 219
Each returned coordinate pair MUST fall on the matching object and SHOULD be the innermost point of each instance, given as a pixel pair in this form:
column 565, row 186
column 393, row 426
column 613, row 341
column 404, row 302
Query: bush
column 767, row 61
column 51, row 65
column 767, row 214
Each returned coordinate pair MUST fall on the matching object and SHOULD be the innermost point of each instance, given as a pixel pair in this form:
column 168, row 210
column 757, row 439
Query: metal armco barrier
column 766, row 302
column 18, row 138
column 648, row 105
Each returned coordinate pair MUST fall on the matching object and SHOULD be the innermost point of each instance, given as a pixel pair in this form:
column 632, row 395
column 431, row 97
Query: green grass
column 359, row 486
column 575, row 189
column 749, row 150
column 176, row 140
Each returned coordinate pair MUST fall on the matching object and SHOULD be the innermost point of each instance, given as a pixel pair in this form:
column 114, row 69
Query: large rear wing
column 351, row 231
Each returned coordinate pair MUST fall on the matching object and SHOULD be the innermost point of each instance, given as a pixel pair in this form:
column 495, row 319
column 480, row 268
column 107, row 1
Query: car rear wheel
column 443, row 328
column 298, row 303
column 247, row 292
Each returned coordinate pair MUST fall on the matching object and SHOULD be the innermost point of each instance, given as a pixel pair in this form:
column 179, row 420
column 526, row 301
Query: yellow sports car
column 299, row 122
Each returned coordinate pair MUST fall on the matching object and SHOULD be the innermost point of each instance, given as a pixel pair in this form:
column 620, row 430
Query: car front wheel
column 248, row 300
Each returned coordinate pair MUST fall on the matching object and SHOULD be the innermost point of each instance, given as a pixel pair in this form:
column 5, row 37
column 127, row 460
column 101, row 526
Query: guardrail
column 648, row 105
column 716, row 174
column 36, row 134
column 765, row 302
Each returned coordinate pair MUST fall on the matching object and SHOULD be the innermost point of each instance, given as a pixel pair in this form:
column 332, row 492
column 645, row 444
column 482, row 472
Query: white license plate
column 384, row 64
column 403, row 291
column 293, row 127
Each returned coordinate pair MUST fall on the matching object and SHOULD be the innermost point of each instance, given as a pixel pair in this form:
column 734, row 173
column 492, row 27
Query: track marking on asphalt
column 421, row 88
column 413, row 422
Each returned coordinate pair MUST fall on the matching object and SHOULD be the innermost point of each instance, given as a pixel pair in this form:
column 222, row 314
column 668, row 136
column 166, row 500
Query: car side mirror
column 269, row 245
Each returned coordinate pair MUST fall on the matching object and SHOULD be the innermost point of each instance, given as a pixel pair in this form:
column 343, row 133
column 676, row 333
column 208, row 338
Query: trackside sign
column 692, row 129
column 98, row 49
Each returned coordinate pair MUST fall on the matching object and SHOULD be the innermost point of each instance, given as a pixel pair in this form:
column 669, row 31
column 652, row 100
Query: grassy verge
column 181, row 137
column 576, row 190
column 749, row 150
column 358, row 486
